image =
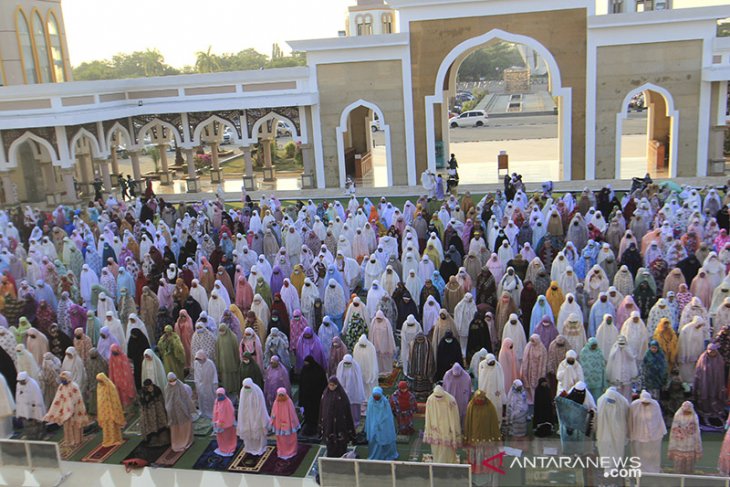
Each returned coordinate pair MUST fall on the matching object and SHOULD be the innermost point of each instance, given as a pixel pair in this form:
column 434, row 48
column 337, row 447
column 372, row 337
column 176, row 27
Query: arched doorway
column 35, row 186
column 363, row 146
column 499, row 102
column 646, row 128
column 436, row 105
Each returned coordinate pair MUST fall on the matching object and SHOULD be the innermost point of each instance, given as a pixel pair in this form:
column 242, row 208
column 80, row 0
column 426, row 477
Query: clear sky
column 98, row 29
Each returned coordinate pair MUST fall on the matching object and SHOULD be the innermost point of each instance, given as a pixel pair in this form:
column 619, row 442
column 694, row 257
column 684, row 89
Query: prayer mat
column 389, row 381
column 134, row 428
column 209, row 460
column 101, row 453
column 709, row 428
column 202, row 427
column 284, row 468
column 69, row 451
column 169, row 458
column 147, row 453
column 246, row 463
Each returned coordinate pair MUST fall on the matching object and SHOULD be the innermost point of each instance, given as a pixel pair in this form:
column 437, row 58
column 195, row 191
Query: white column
column 165, row 176
column 11, row 192
column 68, row 186
column 105, row 177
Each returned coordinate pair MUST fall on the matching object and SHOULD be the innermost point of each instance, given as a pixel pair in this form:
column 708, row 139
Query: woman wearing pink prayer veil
column 244, row 294
column 184, row 329
column 224, row 424
column 701, row 287
column 508, row 361
column 625, row 309
column 285, row 424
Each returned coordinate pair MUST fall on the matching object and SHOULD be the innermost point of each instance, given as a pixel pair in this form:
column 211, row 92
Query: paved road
column 515, row 128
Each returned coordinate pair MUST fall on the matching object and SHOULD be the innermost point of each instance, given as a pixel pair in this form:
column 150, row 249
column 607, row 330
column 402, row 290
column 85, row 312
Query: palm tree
column 206, row 62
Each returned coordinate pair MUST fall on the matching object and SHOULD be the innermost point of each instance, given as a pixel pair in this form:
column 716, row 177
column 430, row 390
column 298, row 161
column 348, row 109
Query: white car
column 472, row 118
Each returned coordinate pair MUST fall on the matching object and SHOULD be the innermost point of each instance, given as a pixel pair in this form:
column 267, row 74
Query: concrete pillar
column 216, row 175
column 136, row 172
column 308, row 178
column 105, row 176
column 192, row 181
column 115, row 164
column 86, row 171
column 165, row 176
column 9, row 188
column 69, row 188
column 268, row 169
column 249, row 182
column 629, row 6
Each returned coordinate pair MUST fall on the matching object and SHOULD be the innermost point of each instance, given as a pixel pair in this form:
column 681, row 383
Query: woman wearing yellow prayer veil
column 110, row 414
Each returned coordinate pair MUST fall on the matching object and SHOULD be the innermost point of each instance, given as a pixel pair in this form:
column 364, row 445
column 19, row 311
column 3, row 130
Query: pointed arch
column 27, row 137
column 342, row 128
column 296, row 136
column 556, row 89
column 146, row 128
column 671, row 112
column 118, row 127
column 198, row 131
column 93, row 143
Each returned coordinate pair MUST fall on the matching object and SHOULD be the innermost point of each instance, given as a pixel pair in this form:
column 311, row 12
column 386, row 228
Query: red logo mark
column 495, row 462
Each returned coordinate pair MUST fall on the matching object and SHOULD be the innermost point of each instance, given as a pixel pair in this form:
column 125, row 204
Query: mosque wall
column 562, row 32
column 377, row 82
column 674, row 66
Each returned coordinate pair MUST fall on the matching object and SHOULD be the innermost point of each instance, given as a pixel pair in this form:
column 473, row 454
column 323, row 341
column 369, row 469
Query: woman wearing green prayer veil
column 228, row 360
column 263, row 289
column 172, row 352
column 250, row 369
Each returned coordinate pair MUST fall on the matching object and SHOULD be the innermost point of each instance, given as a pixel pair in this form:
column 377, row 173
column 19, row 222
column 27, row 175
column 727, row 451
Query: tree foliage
column 489, row 62
column 151, row 63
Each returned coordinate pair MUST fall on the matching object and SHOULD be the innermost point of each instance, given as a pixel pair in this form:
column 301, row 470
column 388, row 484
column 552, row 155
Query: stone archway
column 343, row 128
column 435, row 103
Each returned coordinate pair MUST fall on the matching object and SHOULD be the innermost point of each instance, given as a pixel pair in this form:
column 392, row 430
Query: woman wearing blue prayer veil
column 380, row 428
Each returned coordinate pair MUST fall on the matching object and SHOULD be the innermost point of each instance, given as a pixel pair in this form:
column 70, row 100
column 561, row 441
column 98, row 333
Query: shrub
column 290, row 149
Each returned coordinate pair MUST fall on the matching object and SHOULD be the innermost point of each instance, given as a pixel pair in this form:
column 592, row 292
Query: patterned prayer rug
column 134, row 428
column 68, row 451
column 246, row 463
column 147, row 453
column 284, row 468
column 209, row 460
column 101, row 453
column 202, row 427
column 169, row 458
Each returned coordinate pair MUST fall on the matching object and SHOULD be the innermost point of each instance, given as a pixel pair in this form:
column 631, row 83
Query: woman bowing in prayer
column 285, row 424
column 224, row 424
column 380, row 428
column 110, row 414
column 180, row 411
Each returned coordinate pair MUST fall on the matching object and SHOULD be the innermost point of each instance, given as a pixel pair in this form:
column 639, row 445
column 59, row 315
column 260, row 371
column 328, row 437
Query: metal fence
column 339, row 472
column 680, row 480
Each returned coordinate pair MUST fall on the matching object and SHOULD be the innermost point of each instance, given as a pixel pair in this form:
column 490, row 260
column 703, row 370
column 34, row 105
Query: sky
column 98, row 29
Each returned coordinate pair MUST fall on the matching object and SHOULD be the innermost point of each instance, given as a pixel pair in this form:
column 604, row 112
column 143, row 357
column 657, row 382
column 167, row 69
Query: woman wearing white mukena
column 612, row 425
column 646, row 430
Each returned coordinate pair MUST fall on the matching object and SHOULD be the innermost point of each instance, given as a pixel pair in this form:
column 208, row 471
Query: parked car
column 227, row 136
column 283, row 128
column 472, row 118
column 375, row 125
column 463, row 96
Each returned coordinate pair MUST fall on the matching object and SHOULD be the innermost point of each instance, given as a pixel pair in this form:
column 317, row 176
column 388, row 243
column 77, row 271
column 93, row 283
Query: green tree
column 206, row 62
column 489, row 62
column 94, row 70
column 276, row 52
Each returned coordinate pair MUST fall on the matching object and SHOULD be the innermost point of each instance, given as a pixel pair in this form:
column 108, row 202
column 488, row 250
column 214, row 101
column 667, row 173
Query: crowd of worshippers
column 599, row 317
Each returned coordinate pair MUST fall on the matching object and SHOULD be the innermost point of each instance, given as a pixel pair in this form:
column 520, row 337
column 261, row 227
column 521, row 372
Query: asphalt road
column 528, row 127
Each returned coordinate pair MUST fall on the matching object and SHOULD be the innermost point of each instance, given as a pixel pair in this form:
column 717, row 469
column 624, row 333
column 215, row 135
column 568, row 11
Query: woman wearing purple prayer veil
column 106, row 340
column 309, row 344
column 275, row 376
column 458, row 383
column 709, row 386
column 547, row 331
column 277, row 279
